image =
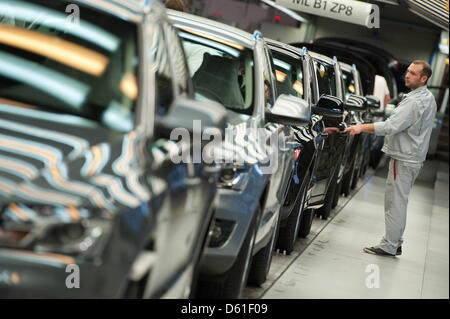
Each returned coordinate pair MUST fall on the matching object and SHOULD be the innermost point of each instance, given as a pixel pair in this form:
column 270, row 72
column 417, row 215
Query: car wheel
column 262, row 260
column 305, row 223
column 289, row 233
column 231, row 284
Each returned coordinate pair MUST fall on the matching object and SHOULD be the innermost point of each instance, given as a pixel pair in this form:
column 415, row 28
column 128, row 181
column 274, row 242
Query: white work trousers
column 399, row 182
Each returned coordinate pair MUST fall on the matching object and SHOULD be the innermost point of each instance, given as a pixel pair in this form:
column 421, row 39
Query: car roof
column 132, row 10
column 211, row 27
column 322, row 57
column 289, row 49
column 135, row 6
column 345, row 66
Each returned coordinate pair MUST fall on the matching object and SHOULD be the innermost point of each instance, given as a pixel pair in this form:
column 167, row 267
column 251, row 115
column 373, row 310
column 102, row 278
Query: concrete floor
column 330, row 263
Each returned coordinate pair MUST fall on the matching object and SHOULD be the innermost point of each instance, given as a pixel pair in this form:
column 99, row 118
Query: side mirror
column 289, row 110
column 183, row 113
column 329, row 106
column 373, row 102
column 356, row 103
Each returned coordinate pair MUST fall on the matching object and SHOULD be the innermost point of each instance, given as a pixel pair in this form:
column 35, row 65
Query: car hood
column 67, row 162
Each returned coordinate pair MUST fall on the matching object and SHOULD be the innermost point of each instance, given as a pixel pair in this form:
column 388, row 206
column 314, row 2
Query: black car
column 359, row 155
column 362, row 75
column 367, row 70
column 336, row 148
column 295, row 77
column 88, row 181
column 384, row 62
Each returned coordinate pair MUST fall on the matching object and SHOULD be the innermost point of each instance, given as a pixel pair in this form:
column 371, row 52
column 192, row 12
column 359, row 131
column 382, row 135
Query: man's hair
column 175, row 5
column 426, row 68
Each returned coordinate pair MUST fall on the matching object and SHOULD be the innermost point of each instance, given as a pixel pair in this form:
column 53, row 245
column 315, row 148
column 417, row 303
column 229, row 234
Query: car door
column 285, row 134
column 189, row 192
column 275, row 133
column 330, row 154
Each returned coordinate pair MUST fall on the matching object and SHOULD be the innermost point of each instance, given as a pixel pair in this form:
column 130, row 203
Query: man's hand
column 354, row 129
column 331, row 130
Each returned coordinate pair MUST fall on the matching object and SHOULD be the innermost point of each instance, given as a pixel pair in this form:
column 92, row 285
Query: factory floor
column 330, row 262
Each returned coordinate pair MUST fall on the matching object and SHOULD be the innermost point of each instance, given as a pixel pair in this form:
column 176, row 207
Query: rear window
column 51, row 61
column 221, row 71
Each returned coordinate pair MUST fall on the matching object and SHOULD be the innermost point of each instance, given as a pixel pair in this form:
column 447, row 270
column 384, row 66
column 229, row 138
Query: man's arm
column 403, row 117
column 357, row 129
column 387, row 98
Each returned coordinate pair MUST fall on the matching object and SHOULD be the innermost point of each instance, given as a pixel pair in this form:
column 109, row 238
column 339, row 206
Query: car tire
column 231, row 284
column 288, row 234
column 305, row 223
column 261, row 261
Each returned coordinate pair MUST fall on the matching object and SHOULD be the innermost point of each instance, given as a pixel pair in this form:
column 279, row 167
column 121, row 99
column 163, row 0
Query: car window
column 88, row 70
column 163, row 72
column 181, row 71
column 270, row 92
column 221, row 71
column 360, row 85
column 326, row 77
column 312, row 82
column 349, row 82
column 289, row 74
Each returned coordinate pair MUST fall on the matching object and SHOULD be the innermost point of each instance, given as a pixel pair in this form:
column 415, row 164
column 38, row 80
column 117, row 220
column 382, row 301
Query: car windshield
column 289, row 73
column 349, row 82
column 326, row 78
column 63, row 58
column 221, row 71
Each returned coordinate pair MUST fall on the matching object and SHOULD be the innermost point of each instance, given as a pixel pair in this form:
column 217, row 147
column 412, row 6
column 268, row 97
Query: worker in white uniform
column 381, row 91
column 407, row 136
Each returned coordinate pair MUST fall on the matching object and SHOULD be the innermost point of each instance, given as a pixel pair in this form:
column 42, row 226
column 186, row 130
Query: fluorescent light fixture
column 129, row 86
column 62, row 51
column 13, row 107
column 298, row 87
column 392, row 2
column 281, row 76
column 62, row 87
column 227, row 49
column 117, row 117
column 443, row 48
column 289, row 12
column 282, row 64
column 37, row 14
column 215, row 39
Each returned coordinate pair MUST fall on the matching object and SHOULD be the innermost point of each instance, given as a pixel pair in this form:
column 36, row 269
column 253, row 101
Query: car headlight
column 49, row 229
column 233, row 176
column 221, row 232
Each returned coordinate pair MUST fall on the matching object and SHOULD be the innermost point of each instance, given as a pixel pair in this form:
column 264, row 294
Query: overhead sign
column 350, row 11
